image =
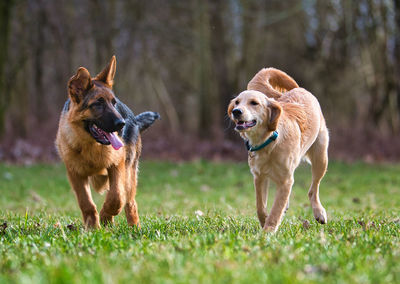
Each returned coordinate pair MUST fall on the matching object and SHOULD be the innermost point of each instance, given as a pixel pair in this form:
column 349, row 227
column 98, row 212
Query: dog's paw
column 92, row 222
column 262, row 218
column 320, row 215
column 106, row 219
column 270, row 229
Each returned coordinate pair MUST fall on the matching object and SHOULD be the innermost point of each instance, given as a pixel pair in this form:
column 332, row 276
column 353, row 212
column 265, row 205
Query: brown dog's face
column 252, row 110
column 93, row 105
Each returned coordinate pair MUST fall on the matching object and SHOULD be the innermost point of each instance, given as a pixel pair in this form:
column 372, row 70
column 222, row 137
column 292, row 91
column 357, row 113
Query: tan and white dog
column 281, row 124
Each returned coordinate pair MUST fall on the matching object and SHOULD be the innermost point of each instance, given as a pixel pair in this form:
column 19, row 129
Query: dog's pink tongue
column 114, row 140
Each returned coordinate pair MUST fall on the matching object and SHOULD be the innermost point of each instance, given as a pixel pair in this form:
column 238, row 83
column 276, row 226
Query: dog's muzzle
column 104, row 137
column 244, row 125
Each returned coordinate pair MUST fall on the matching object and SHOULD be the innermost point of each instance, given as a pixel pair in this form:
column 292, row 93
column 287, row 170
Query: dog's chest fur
column 259, row 163
column 270, row 162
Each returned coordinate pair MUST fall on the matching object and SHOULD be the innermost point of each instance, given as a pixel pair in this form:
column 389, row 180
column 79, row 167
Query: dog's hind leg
column 318, row 154
column 115, row 198
column 131, row 210
column 261, row 184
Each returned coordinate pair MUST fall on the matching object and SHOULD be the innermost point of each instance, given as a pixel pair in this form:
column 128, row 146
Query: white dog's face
column 251, row 110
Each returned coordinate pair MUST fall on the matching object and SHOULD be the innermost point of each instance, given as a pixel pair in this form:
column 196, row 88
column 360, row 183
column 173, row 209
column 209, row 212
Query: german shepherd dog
column 99, row 141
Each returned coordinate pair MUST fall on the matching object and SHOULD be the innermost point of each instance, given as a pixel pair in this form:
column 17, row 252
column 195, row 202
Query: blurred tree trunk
column 383, row 103
column 396, row 4
column 64, row 34
column 249, row 42
column 19, row 75
column 102, row 15
column 38, row 45
column 220, row 51
column 5, row 20
column 208, row 99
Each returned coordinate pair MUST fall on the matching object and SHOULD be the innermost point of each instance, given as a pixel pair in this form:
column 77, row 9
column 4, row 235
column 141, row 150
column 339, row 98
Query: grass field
column 42, row 239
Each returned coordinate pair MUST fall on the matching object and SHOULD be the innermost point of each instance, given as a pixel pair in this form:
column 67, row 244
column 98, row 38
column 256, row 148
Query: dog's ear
column 230, row 108
column 79, row 84
column 107, row 75
column 275, row 111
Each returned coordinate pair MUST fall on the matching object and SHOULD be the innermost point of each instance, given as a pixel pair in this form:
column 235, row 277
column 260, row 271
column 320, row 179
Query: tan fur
column 296, row 115
column 272, row 82
column 91, row 163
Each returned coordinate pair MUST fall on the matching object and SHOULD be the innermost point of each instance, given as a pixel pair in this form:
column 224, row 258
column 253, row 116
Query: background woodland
column 187, row 59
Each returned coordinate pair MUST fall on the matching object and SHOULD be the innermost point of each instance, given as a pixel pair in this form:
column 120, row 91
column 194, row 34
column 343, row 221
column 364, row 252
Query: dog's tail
column 272, row 82
column 146, row 119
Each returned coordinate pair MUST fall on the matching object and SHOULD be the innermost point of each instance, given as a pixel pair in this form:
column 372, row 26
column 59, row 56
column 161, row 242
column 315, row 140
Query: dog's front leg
column 131, row 209
column 278, row 208
column 81, row 188
column 261, row 184
column 115, row 199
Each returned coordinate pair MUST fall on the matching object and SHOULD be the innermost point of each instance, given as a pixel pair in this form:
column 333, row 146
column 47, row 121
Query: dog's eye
column 237, row 102
column 254, row 103
column 98, row 103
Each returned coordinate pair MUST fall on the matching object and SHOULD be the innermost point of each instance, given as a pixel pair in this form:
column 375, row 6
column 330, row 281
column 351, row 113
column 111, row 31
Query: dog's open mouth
column 243, row 125
column 105, row 138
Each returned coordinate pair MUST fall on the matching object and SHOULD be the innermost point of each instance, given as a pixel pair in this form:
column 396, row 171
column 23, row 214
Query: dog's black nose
column 119, row 123
column 237, row 113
